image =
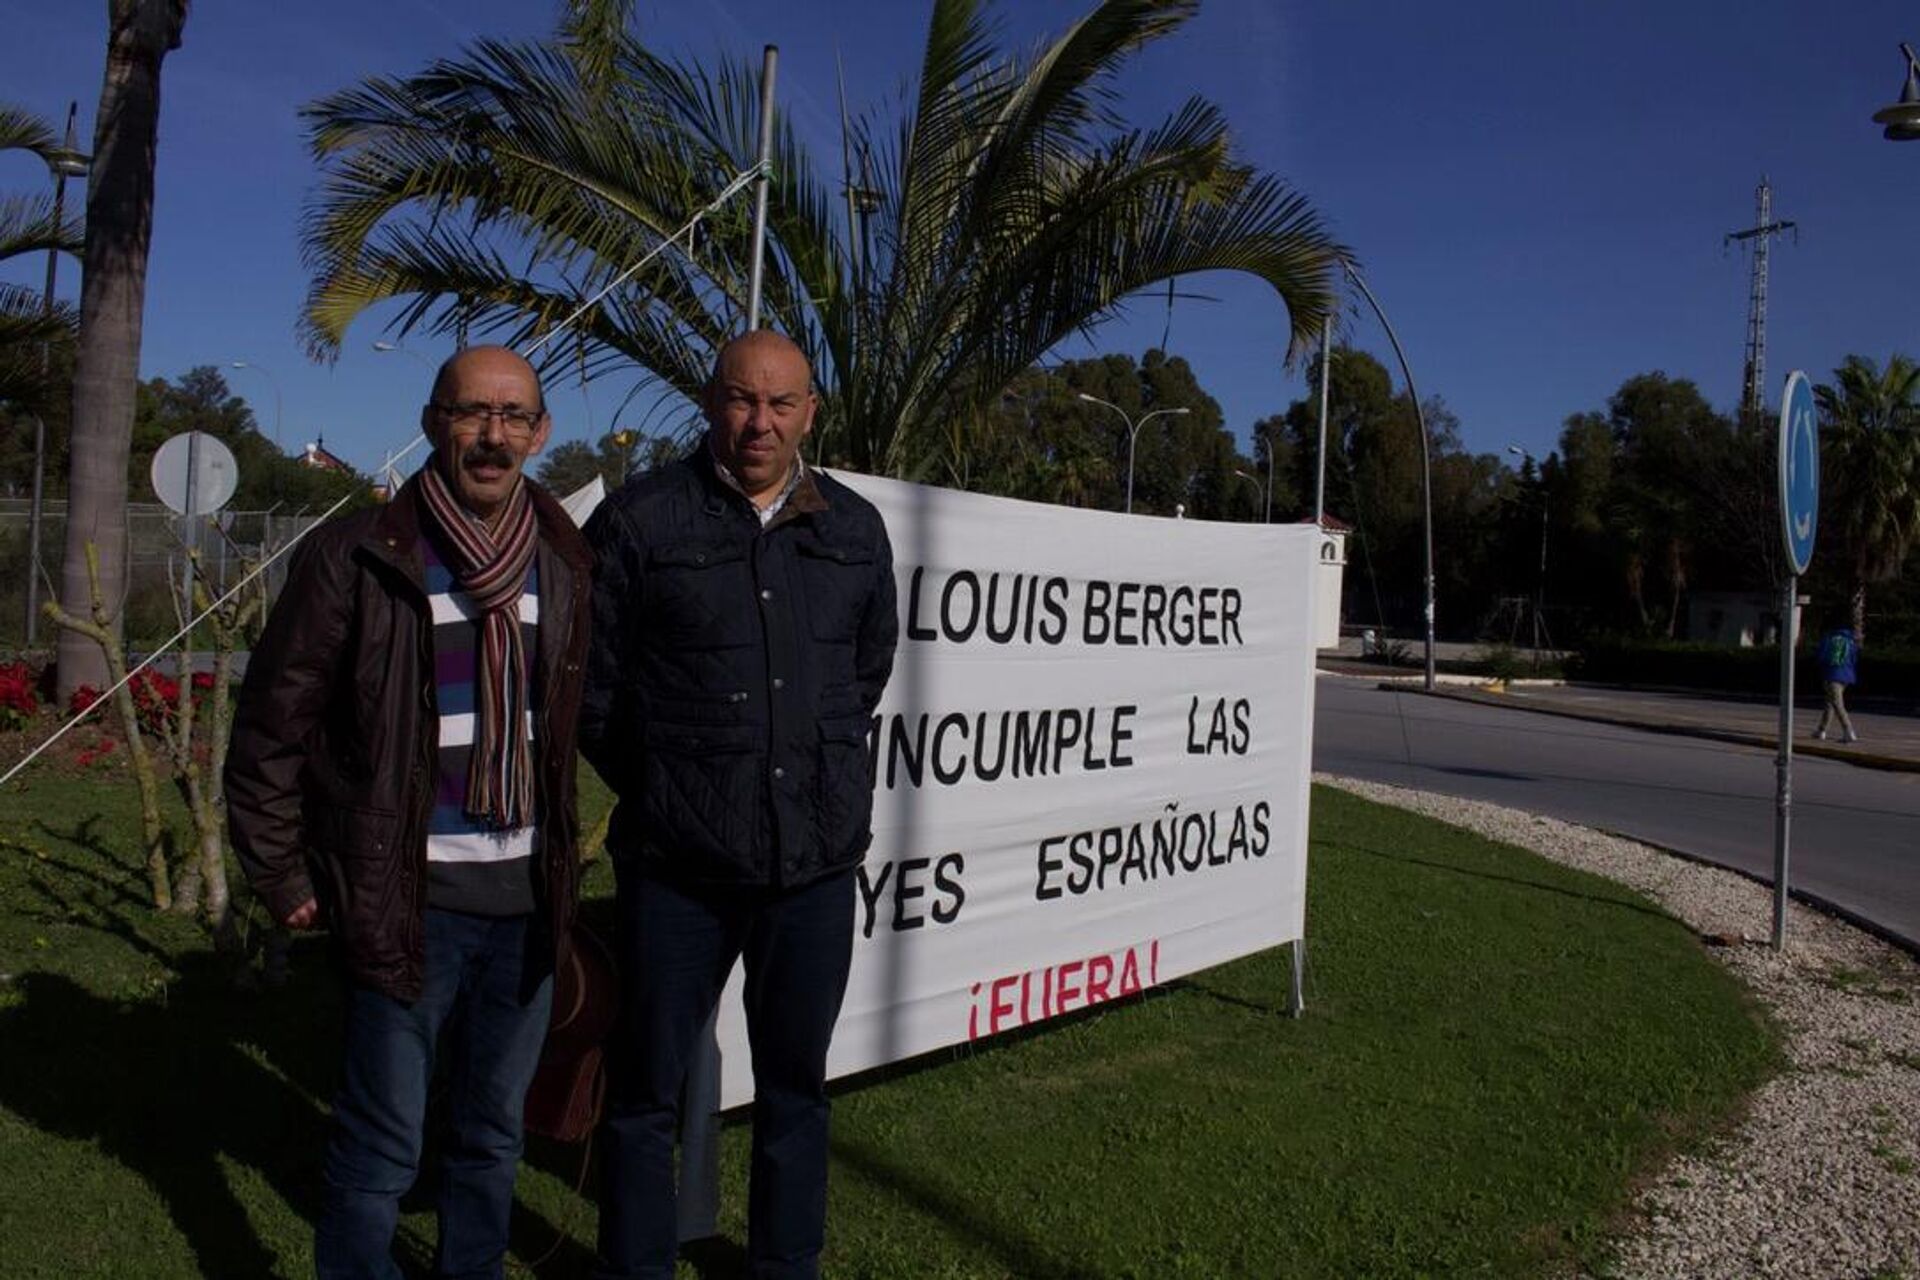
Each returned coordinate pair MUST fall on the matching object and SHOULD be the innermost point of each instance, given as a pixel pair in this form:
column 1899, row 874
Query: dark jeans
column 676, row 947
column 479, row 975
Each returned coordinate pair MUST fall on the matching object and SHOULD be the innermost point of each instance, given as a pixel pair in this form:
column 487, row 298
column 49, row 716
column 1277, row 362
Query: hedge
column 1889, row 673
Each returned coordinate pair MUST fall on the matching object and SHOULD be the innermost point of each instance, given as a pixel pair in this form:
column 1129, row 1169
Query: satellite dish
column 194, row 473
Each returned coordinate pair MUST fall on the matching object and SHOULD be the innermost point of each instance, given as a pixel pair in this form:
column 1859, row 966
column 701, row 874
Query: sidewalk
column 1887, row 741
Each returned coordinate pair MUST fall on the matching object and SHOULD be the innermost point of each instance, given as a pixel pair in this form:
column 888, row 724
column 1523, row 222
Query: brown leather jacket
column 330, row 774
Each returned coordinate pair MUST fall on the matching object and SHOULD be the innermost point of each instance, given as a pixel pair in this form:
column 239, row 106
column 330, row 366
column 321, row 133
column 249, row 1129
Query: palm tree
column 1870, row 470
column 29, row 225
column 1006, row 211
column 113, row 291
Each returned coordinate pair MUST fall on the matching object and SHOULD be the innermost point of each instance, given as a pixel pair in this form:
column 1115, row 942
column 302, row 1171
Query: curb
column 1817, row 902
column 1770, row 742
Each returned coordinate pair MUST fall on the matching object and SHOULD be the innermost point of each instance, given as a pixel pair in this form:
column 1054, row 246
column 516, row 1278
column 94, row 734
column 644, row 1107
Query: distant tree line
column 198, row 400
column 1651, row 497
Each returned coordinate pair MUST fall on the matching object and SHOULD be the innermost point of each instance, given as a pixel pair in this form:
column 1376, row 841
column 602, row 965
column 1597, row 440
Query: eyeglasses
column 471, row 415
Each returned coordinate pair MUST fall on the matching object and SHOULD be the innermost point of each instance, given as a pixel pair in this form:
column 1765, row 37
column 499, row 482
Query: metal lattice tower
column 1753, row 378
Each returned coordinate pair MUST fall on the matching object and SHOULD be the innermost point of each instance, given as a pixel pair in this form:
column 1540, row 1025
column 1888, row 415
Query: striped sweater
column 471, row 867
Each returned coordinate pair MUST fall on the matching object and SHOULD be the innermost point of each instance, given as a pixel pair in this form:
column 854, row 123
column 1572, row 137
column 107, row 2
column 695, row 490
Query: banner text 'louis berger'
column 966, row 606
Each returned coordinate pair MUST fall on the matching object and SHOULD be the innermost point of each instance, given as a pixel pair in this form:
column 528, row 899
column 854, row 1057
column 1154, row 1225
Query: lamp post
column 387, row 348
column 63, row 163
column 275, row 383
column 1267, row 516
column 1426, row 449
column 1133, row 432
column 1540, row 587
column 1902, row 119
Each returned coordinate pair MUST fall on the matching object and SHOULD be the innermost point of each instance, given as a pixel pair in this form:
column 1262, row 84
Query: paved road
column 1856, row 830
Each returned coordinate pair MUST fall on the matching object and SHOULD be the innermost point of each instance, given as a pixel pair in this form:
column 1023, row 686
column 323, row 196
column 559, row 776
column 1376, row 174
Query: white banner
column 1091, row 764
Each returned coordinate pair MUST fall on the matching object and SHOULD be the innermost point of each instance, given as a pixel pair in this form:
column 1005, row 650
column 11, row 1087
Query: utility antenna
column 1753, row 379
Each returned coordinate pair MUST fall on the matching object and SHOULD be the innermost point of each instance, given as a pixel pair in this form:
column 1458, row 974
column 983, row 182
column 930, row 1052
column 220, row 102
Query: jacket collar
column 807, row 499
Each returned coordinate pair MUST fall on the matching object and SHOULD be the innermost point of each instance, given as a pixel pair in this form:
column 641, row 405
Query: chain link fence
column 229, row 542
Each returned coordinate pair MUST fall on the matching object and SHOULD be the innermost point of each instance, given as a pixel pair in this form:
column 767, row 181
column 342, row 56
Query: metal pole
column 1540, row 593
column 187, row 531
column 1267, row 515
column 1133, row 435
column 699, row 1192
column 757, row 272
column 1320, row 455
column 1298, row 1004
column 39, row 421
column 1783, row 764
column 1426, row 450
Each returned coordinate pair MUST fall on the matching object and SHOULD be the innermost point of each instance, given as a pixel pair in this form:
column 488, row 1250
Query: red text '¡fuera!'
column 1038, row 994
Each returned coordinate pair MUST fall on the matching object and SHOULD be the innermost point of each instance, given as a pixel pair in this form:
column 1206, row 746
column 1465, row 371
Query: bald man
column 402, row 771
column 743, row 631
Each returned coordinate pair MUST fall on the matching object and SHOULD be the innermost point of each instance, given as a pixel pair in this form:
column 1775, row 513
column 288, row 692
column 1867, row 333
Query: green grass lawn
column 1494, row 1049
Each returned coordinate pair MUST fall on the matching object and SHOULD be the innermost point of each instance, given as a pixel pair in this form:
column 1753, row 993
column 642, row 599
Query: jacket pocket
column 368, row 878
column 839, row 578
column 700, row 596
column 701, row 790
column 843, row 803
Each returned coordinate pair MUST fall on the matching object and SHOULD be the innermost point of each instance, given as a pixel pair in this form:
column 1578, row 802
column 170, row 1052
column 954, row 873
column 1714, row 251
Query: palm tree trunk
column 112, row 295
column 1857, row 602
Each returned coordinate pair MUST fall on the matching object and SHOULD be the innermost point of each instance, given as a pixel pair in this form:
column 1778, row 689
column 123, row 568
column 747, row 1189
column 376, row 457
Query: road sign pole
column 1799, row 520
column 1783, row 767
column 186, row 525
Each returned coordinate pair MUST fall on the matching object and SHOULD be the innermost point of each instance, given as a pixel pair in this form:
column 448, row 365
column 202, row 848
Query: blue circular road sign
column 1799, row 471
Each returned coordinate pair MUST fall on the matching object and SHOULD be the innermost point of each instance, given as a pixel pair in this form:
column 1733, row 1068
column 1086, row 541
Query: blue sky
column 1537, row 191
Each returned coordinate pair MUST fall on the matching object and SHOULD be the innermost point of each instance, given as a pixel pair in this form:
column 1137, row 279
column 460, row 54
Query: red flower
column 99, row 751
column 18, row 702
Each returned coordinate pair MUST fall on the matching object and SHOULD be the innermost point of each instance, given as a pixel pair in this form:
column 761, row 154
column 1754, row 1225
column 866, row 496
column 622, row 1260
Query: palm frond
column 501, row 186
column 27, row 226
column 22, row 130
column 27, row 326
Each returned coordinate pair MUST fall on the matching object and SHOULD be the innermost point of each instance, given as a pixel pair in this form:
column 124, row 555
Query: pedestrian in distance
column 402, row 773
column 1839, row 659
column 744, row 628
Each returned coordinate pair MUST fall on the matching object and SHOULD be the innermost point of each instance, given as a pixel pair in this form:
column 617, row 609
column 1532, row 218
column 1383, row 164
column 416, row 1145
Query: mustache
column 487, row 455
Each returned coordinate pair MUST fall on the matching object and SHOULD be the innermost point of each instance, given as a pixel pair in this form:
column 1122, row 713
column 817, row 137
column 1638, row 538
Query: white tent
column 581, row 502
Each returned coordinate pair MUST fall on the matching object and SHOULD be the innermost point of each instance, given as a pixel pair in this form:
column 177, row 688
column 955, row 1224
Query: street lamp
column 1426, row 450
column 1267, row 515
column 275, row 382
column 1133, row 432
column 1902, row 119
column 63, row 162
column 387, row 348
column 1540, row 588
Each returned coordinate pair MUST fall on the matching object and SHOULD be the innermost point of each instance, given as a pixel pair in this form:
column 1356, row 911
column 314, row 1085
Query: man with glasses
column 402, row 772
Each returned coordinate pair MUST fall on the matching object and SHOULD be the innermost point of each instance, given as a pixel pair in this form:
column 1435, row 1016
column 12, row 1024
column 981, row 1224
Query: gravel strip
column 1823, row 1177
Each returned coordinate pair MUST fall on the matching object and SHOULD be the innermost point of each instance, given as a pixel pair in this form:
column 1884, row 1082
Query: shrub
column 18, row 702
column 1498, row 661
column 1891, row 672
column 156, row 697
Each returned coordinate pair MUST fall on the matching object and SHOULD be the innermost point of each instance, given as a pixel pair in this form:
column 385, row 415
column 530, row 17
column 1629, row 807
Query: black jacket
column 734, row 672
column 330, row 775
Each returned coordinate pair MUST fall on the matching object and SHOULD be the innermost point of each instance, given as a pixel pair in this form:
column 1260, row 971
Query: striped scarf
column 491, row 567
